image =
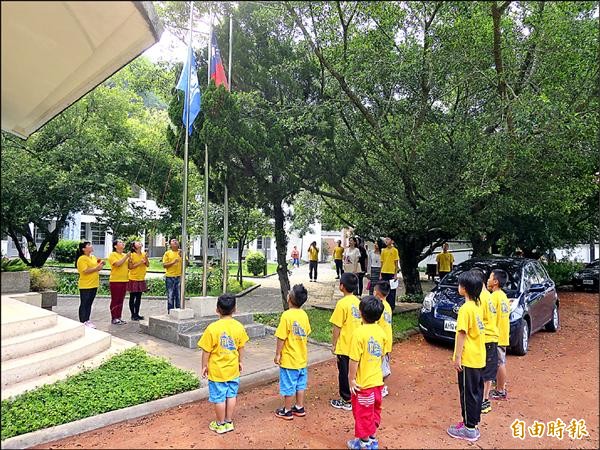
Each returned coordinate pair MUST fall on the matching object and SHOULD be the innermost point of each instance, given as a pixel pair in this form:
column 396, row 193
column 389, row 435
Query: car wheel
column 554, row 323
column 522, row 345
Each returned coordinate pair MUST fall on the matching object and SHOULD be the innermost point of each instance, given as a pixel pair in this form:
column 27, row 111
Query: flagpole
column 184, row 237
column 205, row 236
column 226, row 194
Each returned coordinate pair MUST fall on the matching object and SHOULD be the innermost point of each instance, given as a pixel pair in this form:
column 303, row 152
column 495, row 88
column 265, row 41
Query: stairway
column 39, row 346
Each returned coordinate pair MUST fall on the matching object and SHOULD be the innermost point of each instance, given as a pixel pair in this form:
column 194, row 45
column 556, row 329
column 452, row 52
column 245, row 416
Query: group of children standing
column 362, row 342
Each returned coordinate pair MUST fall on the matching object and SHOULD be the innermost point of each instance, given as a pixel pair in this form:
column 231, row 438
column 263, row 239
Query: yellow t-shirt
column 489, row 316
column 118, row 273
column 469, row 320
column 346, row 316
column 87, row 280
column 385, row 322
column 139, row 273
column 389, row 256
column 503, row 316
column 445, row 261
column 313, row 254
column 175, row 269
column 338, row 252
column 223, row 339
column 294, row 329
column 366, row 347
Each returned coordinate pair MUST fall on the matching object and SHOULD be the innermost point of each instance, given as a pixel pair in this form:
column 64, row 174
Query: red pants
column 118, row 290
column 366, row 409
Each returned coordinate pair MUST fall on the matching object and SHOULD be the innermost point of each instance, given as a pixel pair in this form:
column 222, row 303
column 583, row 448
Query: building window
column 83, row 232
column 235, row 244
column 267, row 243
column 259, row 243
column 211, row 243
column 98, row 232
column 40, row 234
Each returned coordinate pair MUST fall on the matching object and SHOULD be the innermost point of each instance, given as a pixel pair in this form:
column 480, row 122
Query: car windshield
column 513, row 270
column 593, row 264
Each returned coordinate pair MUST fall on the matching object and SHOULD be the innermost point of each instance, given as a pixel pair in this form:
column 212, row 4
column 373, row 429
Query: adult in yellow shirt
column 338, row 259
column 119, row 276
column 313, row 261
column 444, row 260
column 89, row 268
column 172, row 264
column 138, row 265
column 389, row 267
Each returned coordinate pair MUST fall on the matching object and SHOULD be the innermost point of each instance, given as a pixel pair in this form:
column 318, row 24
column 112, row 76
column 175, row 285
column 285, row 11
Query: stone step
column 19, row 318
column 168, row 325
column 49, row 361
column 64, row 331
column 190, row 339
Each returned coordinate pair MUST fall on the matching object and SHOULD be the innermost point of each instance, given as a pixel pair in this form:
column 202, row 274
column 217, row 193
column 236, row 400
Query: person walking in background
column 444, row 260
column 138, row 265
column 362, row 260
column 389, row 268
column 172, row 264
column 374, row 266
column 89, row 268
column 119, row 276
column 352, row 260
column 338, row 258
column 295, row 257
column 313, row 261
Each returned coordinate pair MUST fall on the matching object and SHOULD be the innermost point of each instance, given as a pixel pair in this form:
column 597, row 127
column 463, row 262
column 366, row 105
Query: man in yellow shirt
column 390, row 267
column 291, row 354
column 172, row 264
column 338, row 256
column 313, row 260
column 444, row 260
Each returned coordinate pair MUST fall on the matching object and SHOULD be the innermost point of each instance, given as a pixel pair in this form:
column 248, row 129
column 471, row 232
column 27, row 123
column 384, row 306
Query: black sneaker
column 283, row 414
column 135, row 317
column 299, row 412
column 140, row 317
column 486, row 407
column 341, row 404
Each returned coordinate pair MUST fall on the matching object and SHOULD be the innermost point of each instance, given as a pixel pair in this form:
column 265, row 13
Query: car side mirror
column 537, row 287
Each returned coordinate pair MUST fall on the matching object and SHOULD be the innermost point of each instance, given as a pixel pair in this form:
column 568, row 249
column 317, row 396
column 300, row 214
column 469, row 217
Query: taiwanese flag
column 217, row 71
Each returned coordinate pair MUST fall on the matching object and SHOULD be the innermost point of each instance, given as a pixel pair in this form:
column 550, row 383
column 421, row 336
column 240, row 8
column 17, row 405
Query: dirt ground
column 558, row 378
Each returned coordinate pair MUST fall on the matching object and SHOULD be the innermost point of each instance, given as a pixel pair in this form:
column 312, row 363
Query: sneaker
column 374, row 443
column 341, row 404
column 458, row 426
column 228, row 426
column 219, row 429
column 467, row 434
column 498, row 395
column 299, row 412
column 89, row 324
column 486, row 407
column 357, row 444
column 283, row 414
column 140, row 317
column 118, row 322
column 384, row 391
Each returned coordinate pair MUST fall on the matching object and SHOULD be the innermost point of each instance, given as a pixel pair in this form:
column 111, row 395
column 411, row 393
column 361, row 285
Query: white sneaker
column 384, row 391
column 89, row 324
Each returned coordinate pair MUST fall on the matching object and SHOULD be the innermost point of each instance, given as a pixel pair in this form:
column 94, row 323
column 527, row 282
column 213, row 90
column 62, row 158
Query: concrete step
column 166, row 327
column 20, row 318
column 190, row 339
column 63, row 332
column 49, row 361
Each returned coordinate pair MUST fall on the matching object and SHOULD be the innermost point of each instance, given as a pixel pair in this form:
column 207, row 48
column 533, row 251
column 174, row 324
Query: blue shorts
column 292, row 381
column 218, row 391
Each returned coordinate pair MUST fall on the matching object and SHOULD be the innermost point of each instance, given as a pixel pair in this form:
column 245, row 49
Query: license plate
column 588, row 281
column 449, row 325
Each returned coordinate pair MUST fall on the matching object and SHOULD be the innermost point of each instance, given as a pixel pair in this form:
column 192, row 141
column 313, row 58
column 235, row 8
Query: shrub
column 13, row 265
column 256, row 263
column 562, row 272
column 65, row 251
column 41, row 280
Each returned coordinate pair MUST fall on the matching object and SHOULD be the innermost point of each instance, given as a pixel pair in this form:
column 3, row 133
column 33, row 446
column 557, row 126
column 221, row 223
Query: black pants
column 359, row 288
column 339, row 267
column 343, row 362
column 470, row 387
column 391, row 298
column 442, row 274
column 135, row 300
column 86, row 298
column 312, row 267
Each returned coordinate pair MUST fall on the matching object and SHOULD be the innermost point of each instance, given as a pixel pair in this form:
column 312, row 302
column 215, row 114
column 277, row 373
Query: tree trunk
column 480, row 245
column 281, row 243
column 240, row 271
column 409, row 263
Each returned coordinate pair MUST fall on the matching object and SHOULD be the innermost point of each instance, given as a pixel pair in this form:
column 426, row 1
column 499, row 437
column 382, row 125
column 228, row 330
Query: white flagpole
column 184, row 237
column 226, row 193
column 205, row 236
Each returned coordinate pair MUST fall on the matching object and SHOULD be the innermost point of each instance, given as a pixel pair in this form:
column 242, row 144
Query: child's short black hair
column 480, row 273
column 371, row 308
column 298, row 295
column 383, row 287
column 501, row 276
column 471, row 282
column 226, row 304
column 349, row 281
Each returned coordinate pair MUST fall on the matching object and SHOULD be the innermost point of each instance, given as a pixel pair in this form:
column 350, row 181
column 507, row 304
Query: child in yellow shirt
column 291, row 354
column 469, row 357
column 365, row 375
column 496, row 283
column 222, row 343
column 382, row 289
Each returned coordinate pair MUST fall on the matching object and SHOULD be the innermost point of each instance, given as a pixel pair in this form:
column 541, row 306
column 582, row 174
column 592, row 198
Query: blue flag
column 194, row 95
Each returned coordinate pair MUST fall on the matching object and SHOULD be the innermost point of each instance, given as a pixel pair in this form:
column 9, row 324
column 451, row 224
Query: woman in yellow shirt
column 88, row 267
column 313, row 260
column 119, row 276
column 138, row 265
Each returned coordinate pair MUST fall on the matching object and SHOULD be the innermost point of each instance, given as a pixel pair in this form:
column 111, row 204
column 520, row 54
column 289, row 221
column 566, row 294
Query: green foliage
column 65, row 251
column 562, row 272
column 256, row 263
column 130, row 378
column 42, row 280
column 13, row 265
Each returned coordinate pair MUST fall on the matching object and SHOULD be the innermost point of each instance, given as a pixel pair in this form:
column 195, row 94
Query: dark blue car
column 533, row 299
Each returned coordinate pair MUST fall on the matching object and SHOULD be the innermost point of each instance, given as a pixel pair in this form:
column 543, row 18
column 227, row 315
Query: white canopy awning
column 53, row 53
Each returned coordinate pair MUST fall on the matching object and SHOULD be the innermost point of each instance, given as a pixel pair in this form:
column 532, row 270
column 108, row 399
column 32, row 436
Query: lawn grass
column 129, row 378
column 321, row 328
